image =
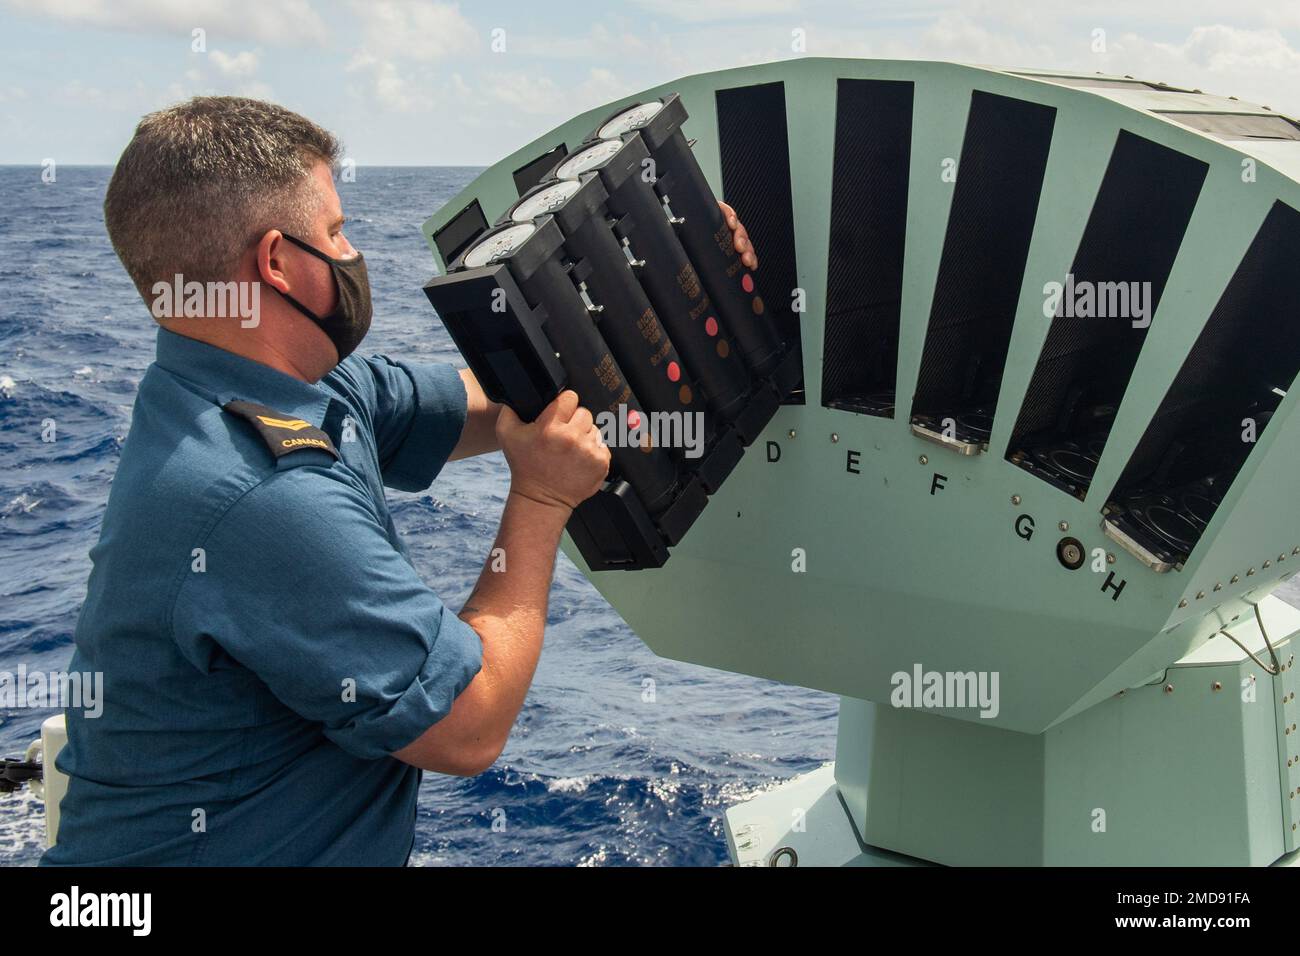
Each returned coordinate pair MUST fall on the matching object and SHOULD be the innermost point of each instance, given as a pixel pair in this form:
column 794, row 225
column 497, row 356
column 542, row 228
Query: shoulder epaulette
column 282, row 433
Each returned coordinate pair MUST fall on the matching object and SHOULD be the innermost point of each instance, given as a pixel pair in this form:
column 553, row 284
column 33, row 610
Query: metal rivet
column 1015, row 499
column 1281, row 557
column 924, row 459
column 1183, row 603
column 1199, row 595
column 1249, row 572
column 1217, row 685
column 1295, row 551
column 1218, row 586
column 1110, row 558
column 1064, row 526
column 1169, row 688
column 834, row 437
column 791, row 433
column 1268, row 564
column 1235, row 578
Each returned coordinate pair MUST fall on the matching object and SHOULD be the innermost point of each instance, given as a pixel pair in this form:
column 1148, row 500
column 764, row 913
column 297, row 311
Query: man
column 276, row 674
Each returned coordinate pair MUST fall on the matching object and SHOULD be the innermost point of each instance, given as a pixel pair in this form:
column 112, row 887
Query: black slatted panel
column 531, row 173
column 1249, row 346
column 864, row 264
column 755, row 154
column 1128, row 248
column 462, row 229
column 995, row 202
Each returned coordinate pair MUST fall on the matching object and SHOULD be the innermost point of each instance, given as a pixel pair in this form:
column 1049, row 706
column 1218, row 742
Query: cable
column 1271, row 671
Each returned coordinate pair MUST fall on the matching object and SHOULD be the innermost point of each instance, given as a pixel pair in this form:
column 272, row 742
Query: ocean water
column 593, row 775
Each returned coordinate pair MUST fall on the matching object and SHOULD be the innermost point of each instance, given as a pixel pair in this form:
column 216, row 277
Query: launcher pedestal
column 1198, row 767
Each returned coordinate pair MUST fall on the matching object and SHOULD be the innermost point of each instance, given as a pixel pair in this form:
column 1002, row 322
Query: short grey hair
column 203, row 180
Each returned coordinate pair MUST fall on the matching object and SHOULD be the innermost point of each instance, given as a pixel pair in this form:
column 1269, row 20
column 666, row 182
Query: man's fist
column 559, row 459
column 740, row 237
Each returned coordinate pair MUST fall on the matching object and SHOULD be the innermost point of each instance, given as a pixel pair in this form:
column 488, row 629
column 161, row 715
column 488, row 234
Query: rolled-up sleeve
column 419, row 413
column 303, row 588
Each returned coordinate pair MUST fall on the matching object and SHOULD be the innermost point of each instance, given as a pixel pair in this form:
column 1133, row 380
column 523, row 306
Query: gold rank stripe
column 293, row 424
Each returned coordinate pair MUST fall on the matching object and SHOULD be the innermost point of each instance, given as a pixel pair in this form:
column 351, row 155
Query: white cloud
column 388, row 87
column 78, row 91
column 433, row 58
column 1258, row 66
column 601, row 86
column 1222, row 49
column 222, row 74
column 526, row 92
column 242, row 64
column 712, row 11
column 511, row 94
column 957, row 37
column 288, row 22
column 255, row 89
column 400, row 42
column 414, row 30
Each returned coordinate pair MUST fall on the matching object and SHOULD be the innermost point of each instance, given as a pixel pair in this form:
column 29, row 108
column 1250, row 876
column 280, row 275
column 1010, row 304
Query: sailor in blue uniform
column 276, row 674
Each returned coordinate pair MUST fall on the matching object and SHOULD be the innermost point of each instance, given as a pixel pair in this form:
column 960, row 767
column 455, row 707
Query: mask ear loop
column 307, row 247
column 323, row 257
column 319, row 255
column 1277, row 666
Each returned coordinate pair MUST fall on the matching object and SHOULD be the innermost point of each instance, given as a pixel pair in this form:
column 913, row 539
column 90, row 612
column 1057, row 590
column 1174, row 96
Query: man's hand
column 559, row 459
column 740, row 237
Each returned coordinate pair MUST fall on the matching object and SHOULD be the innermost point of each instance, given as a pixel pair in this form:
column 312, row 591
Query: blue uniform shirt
column 264, row 640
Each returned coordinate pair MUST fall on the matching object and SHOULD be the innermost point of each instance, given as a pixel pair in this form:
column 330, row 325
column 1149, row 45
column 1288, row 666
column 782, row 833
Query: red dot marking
column 747, row 283
column 674, row 371
column 711, row 325
column 633, row 419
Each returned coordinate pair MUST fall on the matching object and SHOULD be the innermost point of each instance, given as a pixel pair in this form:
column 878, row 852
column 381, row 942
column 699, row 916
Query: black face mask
column 348, row 324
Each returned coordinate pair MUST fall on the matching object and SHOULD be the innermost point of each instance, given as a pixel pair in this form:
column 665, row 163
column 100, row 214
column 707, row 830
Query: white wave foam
column 571, row 784
column 22, row 504
column 22, row 828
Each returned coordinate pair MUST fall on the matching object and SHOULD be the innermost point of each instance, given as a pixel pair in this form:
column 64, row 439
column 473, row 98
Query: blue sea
column 593, row 775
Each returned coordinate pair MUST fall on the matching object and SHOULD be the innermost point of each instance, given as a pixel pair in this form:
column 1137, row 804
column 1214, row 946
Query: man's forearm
column 479, row 436
column 555, row 462
column 508, row 605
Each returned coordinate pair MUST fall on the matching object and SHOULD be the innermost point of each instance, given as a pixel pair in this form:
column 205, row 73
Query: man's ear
column 270, row 251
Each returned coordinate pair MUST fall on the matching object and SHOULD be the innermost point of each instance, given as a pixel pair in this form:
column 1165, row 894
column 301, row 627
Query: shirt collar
column 227, row 377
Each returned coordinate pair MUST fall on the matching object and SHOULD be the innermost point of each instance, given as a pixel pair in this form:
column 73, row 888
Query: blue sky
column 416, row 82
